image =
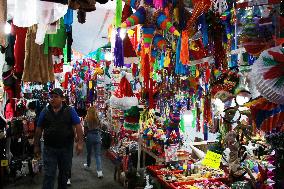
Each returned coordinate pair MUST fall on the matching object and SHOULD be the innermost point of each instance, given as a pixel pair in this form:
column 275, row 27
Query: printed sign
column 212, row 160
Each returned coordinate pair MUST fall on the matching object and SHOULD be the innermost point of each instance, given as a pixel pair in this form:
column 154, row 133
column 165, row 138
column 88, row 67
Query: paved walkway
column 81, row 179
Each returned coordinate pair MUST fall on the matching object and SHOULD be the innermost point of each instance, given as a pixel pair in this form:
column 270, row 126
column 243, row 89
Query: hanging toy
column 159, row 42
column 138, row 17
column 147, row 35
column 164, row 23
column 199, row 7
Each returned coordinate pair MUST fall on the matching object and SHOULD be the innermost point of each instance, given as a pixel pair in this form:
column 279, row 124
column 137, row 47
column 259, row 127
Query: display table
column 160, row 159
column 205, row 176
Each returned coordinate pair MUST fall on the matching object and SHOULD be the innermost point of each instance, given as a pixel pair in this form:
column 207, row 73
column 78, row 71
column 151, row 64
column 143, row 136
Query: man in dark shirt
column 59, row 124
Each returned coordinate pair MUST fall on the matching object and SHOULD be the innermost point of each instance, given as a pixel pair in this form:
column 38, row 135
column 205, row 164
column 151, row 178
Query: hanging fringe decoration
column 131, row 126
column 179, row 69
column 146, row 73
column 151, row 98
column 134, row 69
column 118, row 50
column 126, row 12
column 118, row 13
column 184, row 51
column 66, row 80
column 204, row 29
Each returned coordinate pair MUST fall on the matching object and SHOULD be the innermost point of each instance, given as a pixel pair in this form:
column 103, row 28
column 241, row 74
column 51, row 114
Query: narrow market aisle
column 81, row 179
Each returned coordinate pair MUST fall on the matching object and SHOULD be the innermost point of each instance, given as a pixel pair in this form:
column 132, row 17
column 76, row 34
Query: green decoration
column 98, row 54
column 181, row 124
column 118, row 13
column 130, row 126
column 279, row 83
column 194, row 114
column 65, row 54
column 156, row 65
column 132, row 112
column 106, row 71
column 269, row 61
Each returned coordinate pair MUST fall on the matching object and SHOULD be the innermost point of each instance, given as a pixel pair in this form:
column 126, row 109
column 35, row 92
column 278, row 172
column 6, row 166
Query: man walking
column 58, row 122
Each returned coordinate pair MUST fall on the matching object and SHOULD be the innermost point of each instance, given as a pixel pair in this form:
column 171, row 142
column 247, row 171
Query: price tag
column 257, row 2
column 4, row 163
column 212, row 160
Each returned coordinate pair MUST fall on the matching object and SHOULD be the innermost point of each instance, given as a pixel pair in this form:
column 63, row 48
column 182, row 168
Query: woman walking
column 92, row 130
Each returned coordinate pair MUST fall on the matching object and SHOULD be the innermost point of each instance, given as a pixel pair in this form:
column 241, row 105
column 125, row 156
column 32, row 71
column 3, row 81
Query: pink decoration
column 158, row 4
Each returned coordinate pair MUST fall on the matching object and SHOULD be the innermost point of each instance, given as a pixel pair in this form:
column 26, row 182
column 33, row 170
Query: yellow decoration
column 99, row 71
column 212, row 160
column 90, row 84
column 4, row 163
column 193, row 46
column 197, row 73
column 123, row 25
column 176, row 14
column 167, row 60
column 176, row 33
column 130, row 32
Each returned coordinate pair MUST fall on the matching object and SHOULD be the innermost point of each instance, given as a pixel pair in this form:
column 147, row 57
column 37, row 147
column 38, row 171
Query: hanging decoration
column 118, row 50
column 268, row 75
column 123, row 98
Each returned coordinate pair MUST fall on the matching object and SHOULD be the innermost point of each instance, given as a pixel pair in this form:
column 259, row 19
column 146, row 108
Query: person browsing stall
column 59, row 124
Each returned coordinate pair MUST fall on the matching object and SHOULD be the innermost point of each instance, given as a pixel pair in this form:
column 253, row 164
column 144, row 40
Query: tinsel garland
column 130, row 126
column 133, row 111
column 217, row 42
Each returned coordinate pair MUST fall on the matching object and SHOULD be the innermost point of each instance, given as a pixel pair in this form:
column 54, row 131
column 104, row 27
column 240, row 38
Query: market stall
column 189, row 92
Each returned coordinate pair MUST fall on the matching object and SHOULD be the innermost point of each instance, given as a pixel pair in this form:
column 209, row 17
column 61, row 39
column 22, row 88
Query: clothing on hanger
column 38, row 66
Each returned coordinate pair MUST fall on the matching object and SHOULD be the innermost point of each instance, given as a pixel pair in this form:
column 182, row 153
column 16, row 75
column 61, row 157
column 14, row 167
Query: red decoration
column 276, row 71
column 124, row 89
